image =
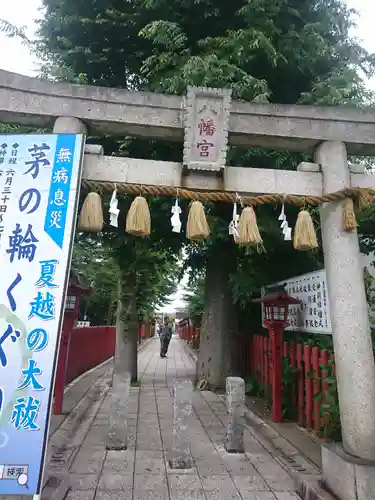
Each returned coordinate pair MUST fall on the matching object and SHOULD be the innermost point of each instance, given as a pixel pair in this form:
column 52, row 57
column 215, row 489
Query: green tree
column 12, row 31
column 99, row 263
column 148, row 269
column 281, row 52
column 92, row 259
column 285, row 53
column 194, row 299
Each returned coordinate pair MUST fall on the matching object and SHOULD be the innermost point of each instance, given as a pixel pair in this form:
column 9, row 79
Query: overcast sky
column 15, row 57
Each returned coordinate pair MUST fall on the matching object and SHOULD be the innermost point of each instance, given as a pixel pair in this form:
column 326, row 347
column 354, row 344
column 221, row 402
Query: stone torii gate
column 331, row 133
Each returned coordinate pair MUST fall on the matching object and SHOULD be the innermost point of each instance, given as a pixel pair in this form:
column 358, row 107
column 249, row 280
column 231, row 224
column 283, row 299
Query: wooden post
column 324, row 363
column 316, row 388
column 69, row 320
column 285, row 350
column 308, row 386
column 292, row 360
column 300, row 383
column 266, row 364
column 270, row 367
column 257, row 358
column 276, row 334
column 249, row 364
column 261, row 361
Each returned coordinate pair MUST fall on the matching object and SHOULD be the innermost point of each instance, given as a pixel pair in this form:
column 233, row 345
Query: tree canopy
column 101, row 266
column 258, row 48
column 284, row 51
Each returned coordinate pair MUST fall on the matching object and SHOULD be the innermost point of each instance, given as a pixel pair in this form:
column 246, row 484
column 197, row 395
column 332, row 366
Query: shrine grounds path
column 77, row 445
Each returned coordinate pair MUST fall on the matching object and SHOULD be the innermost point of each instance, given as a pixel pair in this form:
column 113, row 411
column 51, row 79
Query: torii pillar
column 348, row 470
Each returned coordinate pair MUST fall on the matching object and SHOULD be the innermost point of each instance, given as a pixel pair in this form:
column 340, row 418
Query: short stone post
column 235, row 388
column 118, row 423
column 182, row 400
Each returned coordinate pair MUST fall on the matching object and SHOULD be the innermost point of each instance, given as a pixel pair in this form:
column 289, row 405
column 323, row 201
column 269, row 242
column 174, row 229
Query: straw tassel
column 138, row 219
column 91, row 216
column 350, row 222
column 248, row 228
column 197, row 227
column 364, row 199
column 304, row 232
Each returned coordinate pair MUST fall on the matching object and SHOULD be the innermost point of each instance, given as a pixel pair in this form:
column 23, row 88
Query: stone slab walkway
column 142, row 472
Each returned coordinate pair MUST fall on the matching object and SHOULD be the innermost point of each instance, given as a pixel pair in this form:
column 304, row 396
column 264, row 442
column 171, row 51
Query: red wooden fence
column 145, row 331
column 255, row 359
column 88, row 347
column 190, row 334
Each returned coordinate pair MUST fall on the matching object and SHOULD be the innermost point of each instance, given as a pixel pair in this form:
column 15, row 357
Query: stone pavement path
column 142, row 472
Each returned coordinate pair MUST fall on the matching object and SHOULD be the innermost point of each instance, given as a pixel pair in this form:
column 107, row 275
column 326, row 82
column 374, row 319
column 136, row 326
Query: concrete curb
column 56, row 488
column 80, row 377
column 189, row 350
column 56, row 480
column 110, row 360
column 306, row 475
column 145, row 343
column 309, row 489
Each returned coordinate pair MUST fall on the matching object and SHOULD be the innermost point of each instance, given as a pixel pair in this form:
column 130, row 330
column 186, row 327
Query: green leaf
column 310, row 374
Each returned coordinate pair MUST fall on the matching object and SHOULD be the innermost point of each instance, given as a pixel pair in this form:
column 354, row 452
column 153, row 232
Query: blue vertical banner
column 39, row 188
column 59, row 191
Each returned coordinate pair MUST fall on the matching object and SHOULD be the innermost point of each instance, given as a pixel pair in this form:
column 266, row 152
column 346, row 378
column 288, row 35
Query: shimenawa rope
column 362, row 196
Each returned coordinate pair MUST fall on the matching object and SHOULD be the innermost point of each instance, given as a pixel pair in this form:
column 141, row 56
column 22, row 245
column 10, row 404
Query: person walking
column 165, row 338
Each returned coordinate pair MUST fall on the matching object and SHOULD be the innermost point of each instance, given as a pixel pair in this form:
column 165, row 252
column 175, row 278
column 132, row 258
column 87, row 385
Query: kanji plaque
column 206, row 128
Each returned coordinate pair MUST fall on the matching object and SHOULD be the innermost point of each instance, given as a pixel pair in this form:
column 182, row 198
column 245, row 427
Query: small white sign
column 313, row 314
column 82, row 324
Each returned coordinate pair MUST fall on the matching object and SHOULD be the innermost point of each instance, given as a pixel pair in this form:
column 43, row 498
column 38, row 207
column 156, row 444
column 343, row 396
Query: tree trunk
column 219, row 322
column 133, row 335
column 111, row 313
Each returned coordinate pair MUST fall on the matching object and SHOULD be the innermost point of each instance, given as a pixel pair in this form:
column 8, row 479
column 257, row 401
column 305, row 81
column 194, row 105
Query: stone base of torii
column 331, row 133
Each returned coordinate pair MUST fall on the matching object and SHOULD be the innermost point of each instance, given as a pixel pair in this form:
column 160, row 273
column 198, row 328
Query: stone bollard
column 182, row 400
column 118, row 424
column 235, row 388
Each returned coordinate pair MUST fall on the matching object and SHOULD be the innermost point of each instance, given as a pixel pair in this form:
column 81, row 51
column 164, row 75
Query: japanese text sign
column 206, row 128
column 313, row 314
column 39, row 187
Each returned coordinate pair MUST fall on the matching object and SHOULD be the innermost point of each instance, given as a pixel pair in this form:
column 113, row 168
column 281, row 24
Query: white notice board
column 313, row 315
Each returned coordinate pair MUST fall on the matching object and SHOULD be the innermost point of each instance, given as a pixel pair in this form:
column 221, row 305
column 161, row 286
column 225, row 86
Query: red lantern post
column 276, row 308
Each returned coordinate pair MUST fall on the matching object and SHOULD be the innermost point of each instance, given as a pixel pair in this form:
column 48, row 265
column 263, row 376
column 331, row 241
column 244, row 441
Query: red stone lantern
column 276, row 308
